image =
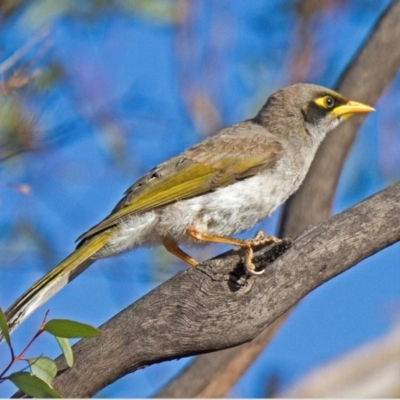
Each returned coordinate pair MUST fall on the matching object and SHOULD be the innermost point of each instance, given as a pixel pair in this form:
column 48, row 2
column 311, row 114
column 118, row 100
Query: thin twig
column 22, row 51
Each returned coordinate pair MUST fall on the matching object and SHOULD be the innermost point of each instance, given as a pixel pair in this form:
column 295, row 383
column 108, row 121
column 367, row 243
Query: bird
column 221, row 186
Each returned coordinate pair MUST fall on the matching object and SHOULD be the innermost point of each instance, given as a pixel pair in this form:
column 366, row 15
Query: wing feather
column 194, row 173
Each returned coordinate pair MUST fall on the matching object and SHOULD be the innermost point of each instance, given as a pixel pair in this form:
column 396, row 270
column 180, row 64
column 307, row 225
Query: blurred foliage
column 37, row 13
column 170, row 11
column 16, row 130
column 9, row 7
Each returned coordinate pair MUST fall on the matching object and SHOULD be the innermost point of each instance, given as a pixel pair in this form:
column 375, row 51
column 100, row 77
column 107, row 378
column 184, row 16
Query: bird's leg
column 260, row 239
column 173, row 248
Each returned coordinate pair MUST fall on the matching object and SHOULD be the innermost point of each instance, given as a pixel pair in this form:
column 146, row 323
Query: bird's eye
column 329, row 102
column 325, row 102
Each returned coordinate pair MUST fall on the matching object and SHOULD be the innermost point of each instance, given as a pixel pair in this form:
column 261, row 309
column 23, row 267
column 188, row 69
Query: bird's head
column 307, row 109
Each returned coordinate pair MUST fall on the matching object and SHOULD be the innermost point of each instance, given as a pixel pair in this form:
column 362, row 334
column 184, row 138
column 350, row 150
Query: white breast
column 228, row 210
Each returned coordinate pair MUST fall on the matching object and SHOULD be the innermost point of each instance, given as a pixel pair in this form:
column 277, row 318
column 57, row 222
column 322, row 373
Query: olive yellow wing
column 196, row 172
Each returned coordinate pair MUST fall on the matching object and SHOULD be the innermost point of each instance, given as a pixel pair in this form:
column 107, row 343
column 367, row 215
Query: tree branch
column 215, row 306
column 224, row 368
column 365, row 79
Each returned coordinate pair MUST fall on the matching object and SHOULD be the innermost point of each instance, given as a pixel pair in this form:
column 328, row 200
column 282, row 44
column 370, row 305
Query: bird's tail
column 54, row 281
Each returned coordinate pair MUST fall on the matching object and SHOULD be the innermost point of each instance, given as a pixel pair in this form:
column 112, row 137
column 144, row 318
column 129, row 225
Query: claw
column 254, row 272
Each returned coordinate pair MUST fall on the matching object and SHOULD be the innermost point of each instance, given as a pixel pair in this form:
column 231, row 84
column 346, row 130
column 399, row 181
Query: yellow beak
column 351, row 107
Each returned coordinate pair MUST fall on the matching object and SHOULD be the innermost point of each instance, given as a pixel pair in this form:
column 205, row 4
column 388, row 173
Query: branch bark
column 365, row 79
column 214, row 306
column 224, row 368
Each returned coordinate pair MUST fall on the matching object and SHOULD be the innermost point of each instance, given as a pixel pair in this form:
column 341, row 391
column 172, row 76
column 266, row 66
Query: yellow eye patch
column 326, row 102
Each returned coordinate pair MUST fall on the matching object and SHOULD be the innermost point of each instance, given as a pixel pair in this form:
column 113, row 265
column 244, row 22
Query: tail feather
column 55, row 280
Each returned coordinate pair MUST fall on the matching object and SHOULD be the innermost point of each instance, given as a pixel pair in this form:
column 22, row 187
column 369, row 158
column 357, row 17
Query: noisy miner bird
column 223, row 185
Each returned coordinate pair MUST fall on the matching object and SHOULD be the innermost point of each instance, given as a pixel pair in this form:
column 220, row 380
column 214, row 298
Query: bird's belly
column 223, row 212
column 228, row 210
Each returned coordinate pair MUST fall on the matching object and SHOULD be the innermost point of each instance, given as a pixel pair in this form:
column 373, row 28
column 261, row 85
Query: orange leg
column 173, row 248
column 247, row 244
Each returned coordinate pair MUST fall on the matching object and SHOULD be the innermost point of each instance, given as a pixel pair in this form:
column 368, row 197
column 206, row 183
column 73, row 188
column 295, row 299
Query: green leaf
column 44, row 368
column 66, row 349
column 70, row 329
column 32, row 385
column 4, row 328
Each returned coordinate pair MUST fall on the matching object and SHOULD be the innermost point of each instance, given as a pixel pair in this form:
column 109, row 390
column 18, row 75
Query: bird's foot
column 261, row 239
